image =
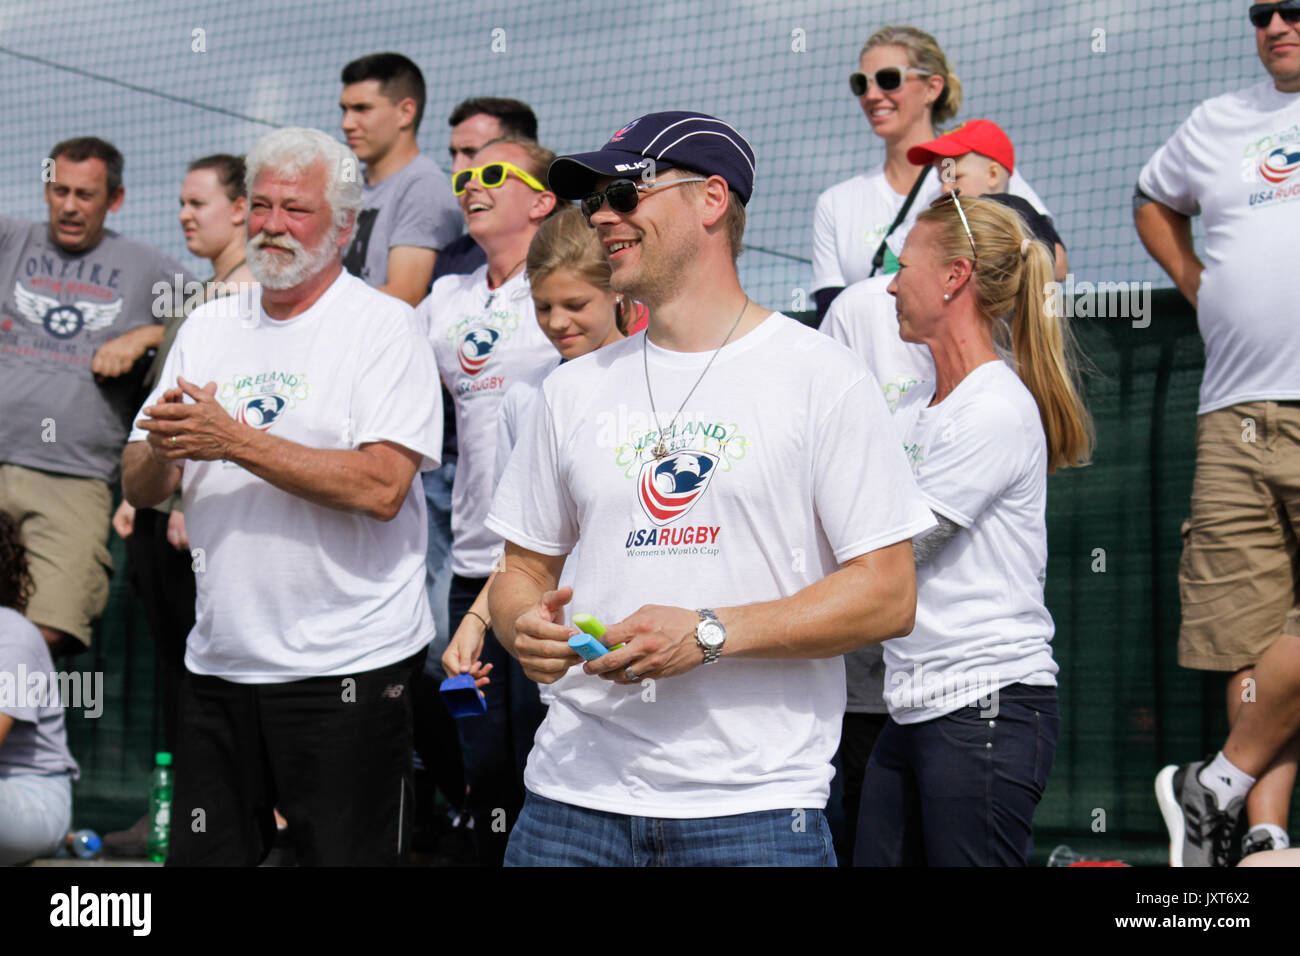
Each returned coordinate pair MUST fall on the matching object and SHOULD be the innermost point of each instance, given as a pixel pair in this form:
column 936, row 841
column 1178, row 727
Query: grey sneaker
column 1200, row 834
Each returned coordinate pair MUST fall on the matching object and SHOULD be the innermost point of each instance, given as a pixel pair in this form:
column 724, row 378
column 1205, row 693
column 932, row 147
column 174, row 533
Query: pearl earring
column 946, row 297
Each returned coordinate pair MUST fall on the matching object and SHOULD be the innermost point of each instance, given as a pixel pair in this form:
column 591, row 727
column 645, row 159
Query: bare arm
column 147, row 480
column 373, row 479
column 117, row 356
column 410, row 270
column 528, row 613
column 1061, row 263
column 1167, row 235
column 870, row 599
column 6, row 724
column 465, row 648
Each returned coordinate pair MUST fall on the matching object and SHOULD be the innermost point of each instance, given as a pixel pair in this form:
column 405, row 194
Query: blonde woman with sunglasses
column 486, row 338
column 905, row 86
column 959, row 768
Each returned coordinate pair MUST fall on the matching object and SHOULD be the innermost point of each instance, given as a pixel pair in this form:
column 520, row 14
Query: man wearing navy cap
column 733, row 495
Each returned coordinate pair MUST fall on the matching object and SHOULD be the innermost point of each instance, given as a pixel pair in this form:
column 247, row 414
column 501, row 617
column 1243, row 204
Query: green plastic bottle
column 160, row 807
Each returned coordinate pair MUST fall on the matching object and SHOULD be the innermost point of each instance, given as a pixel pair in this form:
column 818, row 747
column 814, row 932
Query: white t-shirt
column 784, row 465
column 1236, row 162
column 980, row 458
column 484, row 342
column 865, row 318
column 853, row 216
column 518, row 410
column 289, row 589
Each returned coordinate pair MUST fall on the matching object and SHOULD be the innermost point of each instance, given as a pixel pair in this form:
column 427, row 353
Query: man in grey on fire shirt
column 79, row 305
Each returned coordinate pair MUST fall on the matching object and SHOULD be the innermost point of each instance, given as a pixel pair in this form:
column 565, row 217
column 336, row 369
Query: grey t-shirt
column 37, row 742
column 412, row 207
column 56, row 309
column 864, row 670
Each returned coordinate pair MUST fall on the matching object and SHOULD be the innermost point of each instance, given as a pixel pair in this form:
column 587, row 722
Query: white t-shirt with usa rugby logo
column 980, row 458
column 784, row 464
column 484, row 342
column 287, row 588
column 1235, row 161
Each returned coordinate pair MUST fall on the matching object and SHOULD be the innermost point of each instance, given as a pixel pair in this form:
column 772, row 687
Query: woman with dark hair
column 212, row 215
column 906, row 87
column 36, row 769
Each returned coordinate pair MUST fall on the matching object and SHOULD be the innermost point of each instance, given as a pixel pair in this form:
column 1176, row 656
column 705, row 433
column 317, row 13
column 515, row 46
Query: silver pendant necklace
column 492, row 293
column 660, row 449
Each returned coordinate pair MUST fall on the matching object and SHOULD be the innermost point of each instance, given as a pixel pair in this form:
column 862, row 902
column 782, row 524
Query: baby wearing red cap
column 978, row 159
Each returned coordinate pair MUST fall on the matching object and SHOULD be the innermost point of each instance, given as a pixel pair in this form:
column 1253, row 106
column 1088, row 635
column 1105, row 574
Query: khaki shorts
column 1238, row 577
column 64, row 522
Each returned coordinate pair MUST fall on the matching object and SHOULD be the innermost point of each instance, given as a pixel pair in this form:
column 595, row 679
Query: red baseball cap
column 974, row 136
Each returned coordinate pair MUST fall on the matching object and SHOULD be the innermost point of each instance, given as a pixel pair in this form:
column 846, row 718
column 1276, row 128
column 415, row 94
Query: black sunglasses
column 888, row 78
column 1261, row 14
column 623, row 195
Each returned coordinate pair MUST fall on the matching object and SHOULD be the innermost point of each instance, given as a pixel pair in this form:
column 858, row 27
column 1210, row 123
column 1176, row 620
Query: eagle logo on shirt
column 64, row 321
column 476, row 348
column 260, row 411
column 669, row 487
column 1279, row 165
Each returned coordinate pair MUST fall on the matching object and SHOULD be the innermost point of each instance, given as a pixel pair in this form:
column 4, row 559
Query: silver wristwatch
column 710, row 635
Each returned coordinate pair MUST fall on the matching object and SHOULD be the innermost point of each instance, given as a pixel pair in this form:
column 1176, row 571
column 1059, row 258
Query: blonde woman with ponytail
column 854, row 217
column 959, row 769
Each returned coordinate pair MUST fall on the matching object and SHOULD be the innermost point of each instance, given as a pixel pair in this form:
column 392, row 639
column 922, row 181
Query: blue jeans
column 959, row 790
column 559, row 834
column 437, row 561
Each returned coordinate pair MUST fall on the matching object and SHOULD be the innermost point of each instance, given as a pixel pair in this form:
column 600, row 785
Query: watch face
column 711, row 634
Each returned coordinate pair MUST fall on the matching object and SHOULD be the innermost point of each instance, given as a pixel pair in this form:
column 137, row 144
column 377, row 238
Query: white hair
column 294, row 150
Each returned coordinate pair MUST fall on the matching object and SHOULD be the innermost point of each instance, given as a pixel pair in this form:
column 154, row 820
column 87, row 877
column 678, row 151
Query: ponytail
column 1018, row 285
column 1045, row 361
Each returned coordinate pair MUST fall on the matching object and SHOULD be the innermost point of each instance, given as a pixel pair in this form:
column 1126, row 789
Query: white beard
column 273, row 273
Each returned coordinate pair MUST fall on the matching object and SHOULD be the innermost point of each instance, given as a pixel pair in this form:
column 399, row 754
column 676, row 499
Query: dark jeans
column 960, row 790
column 333, row 754
column 162, row 579
column 858, row 735
column 495, row 746
column 437, row 742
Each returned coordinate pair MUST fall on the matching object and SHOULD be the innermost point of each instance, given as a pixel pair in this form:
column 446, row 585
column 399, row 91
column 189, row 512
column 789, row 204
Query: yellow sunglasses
column 492, row 175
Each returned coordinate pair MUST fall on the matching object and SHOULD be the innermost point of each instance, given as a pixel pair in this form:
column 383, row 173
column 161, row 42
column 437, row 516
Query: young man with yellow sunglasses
column 485, row 337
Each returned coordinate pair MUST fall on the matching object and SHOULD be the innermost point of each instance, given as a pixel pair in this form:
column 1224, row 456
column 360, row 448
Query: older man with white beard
column 296, row 462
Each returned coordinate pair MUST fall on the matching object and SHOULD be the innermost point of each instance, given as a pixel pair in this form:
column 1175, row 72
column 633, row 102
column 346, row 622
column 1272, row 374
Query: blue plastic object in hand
column 462, row 698
column 588, row 647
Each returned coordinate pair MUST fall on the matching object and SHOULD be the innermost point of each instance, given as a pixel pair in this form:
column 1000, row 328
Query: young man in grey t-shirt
column 408, row 212
column 79, row 306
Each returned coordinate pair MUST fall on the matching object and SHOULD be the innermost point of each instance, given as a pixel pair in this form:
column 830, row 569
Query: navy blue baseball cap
column 658, row 141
